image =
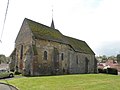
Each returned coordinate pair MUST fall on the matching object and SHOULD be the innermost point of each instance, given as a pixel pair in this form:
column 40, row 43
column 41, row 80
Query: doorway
column 56, row 61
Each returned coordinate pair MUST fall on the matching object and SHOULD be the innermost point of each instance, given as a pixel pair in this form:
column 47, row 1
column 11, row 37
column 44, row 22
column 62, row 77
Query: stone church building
column 44, row 50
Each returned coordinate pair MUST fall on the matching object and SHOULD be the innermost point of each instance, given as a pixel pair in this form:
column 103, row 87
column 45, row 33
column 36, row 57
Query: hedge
column 108, row 71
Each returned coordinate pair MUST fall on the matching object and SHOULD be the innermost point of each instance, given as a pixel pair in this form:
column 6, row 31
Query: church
column 44, row 50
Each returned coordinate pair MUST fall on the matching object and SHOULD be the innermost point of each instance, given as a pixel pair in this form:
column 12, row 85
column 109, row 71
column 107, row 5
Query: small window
column 45, row 55
column 77, row 59
column 21, row 52
column 62, row 56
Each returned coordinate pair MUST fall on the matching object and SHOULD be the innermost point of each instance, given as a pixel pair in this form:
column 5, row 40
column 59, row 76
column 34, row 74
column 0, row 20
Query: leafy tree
column 112, row 57
column 3, row 59
column 104, row 57
column 118, row 58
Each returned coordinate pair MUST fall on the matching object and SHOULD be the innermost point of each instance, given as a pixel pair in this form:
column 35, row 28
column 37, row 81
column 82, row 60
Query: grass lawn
column 68, row 82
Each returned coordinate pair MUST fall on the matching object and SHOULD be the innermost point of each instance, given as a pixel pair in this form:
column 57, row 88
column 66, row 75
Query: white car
column 6, row 73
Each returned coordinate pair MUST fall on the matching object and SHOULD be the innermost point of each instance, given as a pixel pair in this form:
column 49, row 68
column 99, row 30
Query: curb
column 11, row 86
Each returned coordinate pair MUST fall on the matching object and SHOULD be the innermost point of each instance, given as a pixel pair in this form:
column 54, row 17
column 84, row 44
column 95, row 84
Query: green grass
column 69, row 82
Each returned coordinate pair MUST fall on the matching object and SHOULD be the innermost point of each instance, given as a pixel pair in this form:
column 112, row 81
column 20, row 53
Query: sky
column 95, row 21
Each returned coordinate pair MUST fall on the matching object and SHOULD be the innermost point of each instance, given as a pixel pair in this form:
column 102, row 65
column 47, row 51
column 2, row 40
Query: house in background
column 43, row 50
column 110, row 63
column 4, row 66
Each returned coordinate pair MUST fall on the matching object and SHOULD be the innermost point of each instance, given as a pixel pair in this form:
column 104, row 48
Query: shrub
column 100, row 70
column 112, row 71
column 17, row 73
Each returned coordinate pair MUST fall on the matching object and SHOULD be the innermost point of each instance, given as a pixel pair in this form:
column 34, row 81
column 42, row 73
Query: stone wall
column 78, row 62
column 48, row 65
column 45, row 57
column 73, row 62
column 24, row 41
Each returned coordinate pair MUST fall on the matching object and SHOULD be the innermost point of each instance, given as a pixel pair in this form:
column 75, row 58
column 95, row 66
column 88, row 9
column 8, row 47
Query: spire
column 52, row 24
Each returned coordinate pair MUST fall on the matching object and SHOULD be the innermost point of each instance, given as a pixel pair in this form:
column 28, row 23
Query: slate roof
column 41, row 31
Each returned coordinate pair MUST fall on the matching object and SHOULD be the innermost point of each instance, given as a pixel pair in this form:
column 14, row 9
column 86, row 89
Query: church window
column 62, row 56
column 77, row 59
column 45, row 55
column 21, row 52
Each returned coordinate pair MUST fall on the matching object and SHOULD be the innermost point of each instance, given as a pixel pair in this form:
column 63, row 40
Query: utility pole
column 4, row 21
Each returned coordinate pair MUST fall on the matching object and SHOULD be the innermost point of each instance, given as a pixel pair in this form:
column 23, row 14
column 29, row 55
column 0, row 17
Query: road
column 4, row 86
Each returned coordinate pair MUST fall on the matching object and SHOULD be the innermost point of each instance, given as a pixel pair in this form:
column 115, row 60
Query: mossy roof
column 41, row 31
column 79, row 45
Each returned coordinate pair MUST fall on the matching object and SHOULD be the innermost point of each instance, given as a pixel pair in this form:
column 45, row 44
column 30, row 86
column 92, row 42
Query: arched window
column 45, row 55
column 21, row 52
column 62, row 56
column 77, row 59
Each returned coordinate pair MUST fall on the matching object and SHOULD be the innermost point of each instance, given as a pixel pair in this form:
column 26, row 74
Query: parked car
column 6, row 73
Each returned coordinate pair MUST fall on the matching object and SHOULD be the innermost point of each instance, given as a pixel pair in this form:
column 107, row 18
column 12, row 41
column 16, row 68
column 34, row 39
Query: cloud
column 92, row 3
column 109, row 48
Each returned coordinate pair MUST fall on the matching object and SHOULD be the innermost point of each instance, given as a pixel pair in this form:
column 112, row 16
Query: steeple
column 52, row 24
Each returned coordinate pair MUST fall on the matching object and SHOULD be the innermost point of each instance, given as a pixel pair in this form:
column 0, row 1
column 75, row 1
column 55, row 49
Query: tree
column 3, row 59
column 104, row 57
column 118, row 58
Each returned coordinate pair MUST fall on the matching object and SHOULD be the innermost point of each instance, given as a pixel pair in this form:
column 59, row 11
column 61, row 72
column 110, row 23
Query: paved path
column 7, row 87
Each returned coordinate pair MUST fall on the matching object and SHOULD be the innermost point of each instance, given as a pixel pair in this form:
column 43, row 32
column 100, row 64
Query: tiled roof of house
column 41, row 31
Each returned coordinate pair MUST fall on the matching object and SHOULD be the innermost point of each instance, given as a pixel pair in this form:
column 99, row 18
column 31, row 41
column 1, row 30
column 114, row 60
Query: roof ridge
column 36, row 22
